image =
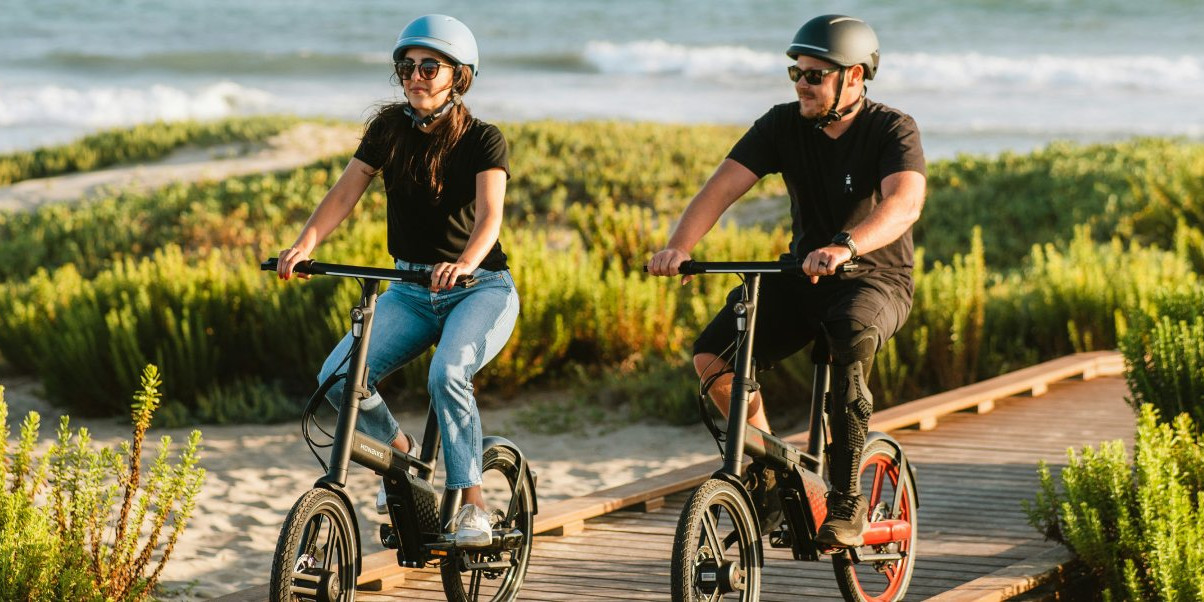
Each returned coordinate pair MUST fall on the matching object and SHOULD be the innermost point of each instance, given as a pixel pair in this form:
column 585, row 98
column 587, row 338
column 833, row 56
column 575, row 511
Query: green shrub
column 1137, row 527
column 1067, row 300
column 169, row 277
column 139, row 143
column 950, row 307
column 211, row 319
column 79, row 523
column 251, row 212
column 660, row 166
column 1137, row 190
column 1164, row 355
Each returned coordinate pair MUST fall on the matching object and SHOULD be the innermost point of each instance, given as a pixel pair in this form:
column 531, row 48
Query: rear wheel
column 883, row 580
column 496, row 575
column 317, row 553
column 717, row 548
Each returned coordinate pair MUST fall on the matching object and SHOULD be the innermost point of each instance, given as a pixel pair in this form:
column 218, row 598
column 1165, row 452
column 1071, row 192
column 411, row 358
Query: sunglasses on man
column 428, row 69
column 813, row 77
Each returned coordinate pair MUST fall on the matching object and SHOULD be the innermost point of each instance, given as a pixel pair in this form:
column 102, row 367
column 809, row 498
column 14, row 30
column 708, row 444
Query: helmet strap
column 453, row 100
column 421, row 122
column 834, row 115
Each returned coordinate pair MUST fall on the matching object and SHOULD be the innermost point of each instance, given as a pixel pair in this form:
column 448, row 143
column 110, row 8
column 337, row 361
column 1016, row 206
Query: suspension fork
column 743, row 383
column 355, row 387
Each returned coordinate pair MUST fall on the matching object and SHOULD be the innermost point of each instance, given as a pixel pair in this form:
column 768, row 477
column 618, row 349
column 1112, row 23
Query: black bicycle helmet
column 845, row 41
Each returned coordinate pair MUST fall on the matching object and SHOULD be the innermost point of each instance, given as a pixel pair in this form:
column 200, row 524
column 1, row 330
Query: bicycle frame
column 409, row 479
column 804, row 467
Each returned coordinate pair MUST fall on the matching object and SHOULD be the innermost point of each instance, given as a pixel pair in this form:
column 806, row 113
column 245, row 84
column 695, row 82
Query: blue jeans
column 470, row 327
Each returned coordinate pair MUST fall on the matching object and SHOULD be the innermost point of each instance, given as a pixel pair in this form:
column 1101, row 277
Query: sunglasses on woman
column 427, row 69
column 813, row 77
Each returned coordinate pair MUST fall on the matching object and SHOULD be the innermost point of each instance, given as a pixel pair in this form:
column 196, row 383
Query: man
column 855, row 172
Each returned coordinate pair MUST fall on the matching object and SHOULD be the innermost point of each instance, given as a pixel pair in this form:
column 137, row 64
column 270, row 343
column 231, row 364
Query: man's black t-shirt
column 423, row 227
column 835, row 184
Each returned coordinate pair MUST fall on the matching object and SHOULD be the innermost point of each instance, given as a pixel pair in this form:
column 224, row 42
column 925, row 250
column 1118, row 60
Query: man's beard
column 814, row 112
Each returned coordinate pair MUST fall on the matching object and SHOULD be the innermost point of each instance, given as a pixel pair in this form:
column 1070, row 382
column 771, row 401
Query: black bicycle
column 717, row 549
column 318, row 554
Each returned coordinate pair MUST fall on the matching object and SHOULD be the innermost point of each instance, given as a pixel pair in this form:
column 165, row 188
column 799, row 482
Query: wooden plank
column 609, row 500
column 1010, row 581
column 1032, row 379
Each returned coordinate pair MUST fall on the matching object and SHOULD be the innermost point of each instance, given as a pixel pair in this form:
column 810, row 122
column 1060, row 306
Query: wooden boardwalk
column 973, row 473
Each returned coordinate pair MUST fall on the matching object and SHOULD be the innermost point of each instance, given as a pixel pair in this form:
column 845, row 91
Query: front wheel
column 882, row 474
column 317, row 553
column 717, row 548
column 496, row 574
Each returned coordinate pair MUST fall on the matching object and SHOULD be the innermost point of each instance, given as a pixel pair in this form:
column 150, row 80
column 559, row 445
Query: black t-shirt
column 423, row 227
column 834, row 184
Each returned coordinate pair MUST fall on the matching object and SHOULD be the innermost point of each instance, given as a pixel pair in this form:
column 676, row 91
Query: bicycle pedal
column 388, row 537
column 781, row 538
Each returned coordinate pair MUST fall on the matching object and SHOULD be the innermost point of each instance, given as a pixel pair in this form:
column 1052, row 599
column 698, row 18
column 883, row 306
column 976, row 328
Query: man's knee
column 850, row 341
column 852, row 346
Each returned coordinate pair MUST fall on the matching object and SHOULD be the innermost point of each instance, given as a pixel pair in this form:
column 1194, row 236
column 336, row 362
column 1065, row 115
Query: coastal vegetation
column 90, row 291
column 82, row 523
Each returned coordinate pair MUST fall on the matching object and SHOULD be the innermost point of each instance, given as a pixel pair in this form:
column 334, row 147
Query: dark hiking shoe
column 846, row 522
column 762, row 483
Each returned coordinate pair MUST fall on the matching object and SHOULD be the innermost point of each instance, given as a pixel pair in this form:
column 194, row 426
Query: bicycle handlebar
column 690, row 266
column 353, row 271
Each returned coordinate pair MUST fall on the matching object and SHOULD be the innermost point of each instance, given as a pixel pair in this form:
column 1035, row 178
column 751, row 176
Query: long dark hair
column 424, row 169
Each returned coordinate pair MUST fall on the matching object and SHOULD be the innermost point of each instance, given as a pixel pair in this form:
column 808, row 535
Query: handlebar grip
column 272, row 264
column 685, row 267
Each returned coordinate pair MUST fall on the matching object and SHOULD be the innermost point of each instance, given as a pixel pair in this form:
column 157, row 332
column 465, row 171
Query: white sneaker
column 472, row 527
column 382, row 506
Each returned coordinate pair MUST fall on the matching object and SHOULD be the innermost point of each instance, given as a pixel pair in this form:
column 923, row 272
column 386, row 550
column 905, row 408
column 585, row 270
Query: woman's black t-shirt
column 835, row 184
column 423, row 227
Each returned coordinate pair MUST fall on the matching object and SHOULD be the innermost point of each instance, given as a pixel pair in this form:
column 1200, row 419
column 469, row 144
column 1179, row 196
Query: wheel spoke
column 474, row 582
column 332, row 547
column 711, row 538
column 313, row 530
column 876, row 489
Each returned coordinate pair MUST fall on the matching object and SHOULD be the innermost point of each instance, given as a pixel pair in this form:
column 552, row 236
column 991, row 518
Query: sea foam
column 912, row 70
column 108, row 106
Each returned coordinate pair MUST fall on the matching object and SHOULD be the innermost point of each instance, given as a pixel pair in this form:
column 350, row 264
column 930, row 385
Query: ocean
column 979, row 76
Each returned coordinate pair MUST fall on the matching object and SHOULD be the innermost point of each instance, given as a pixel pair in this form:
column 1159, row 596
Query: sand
column 298, row 146
column 257, row 472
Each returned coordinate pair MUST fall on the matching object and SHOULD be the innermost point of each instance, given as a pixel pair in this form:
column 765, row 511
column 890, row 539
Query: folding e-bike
column 717, row 550
column 318, row 554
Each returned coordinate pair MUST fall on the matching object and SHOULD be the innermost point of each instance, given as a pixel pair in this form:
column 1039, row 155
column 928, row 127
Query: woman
column 445, row 177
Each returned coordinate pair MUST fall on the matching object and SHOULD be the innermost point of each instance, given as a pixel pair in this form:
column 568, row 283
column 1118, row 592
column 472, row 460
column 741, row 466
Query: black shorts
column 791, row 311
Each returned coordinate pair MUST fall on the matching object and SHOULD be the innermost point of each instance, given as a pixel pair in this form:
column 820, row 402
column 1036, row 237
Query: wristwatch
column 845, row 239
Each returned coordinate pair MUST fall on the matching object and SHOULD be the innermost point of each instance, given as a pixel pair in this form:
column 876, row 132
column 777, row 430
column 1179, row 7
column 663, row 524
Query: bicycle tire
column 714, row 511
column 318, row 515
column 881, row 475
column 505, row 584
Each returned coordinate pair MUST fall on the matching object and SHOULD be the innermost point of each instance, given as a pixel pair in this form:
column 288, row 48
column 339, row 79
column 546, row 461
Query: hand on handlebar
column 666, row 262
column 444, row 275
column 287, row 260
column 824, row 261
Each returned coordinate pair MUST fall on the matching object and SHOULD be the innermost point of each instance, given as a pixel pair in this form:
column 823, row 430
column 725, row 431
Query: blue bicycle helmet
column 440, row 33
